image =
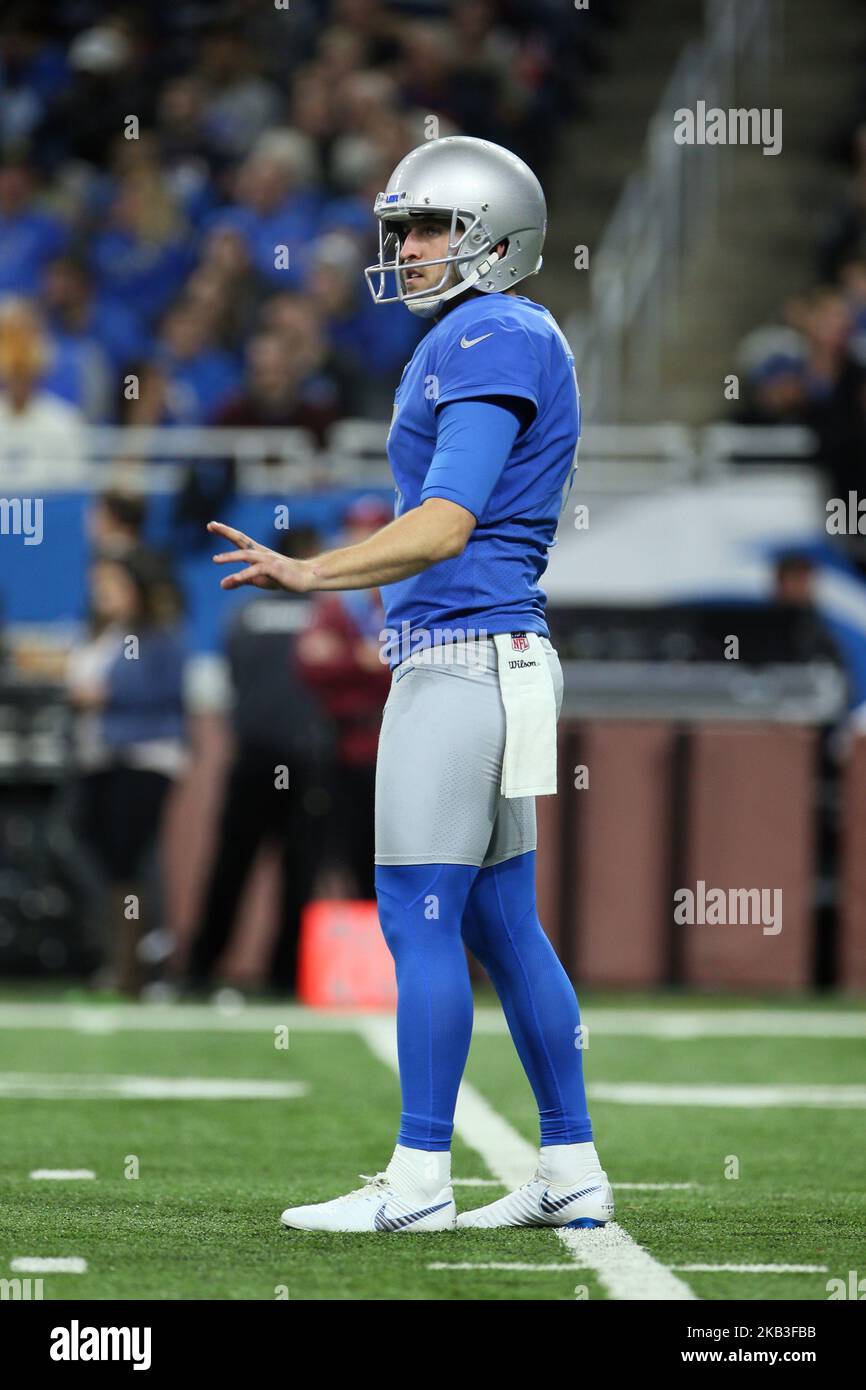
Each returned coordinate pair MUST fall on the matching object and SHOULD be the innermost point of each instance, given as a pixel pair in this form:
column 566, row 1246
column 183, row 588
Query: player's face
column 426, row 241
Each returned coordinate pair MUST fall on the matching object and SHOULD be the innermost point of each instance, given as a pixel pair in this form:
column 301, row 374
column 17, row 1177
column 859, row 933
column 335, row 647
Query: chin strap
column 426, row 308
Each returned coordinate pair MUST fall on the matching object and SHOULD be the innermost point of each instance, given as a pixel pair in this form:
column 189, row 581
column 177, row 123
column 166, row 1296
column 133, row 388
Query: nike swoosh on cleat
column 397, row 1223
column 470, row 342
column 550, row 1205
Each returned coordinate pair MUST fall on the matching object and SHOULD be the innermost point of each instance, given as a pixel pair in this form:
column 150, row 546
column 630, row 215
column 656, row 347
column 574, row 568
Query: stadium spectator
column 143, row 256
column 774, row 361
column 115, row 522
column 238, row 103
column 188, row 380
column 125, row 680
column 292, row 379
column 36, row 425
column 110, row 80
column 186, row 153
column 277, row 205
column 29, row 237
column 836, row 381
column 108, row 337
column 339, row 656
column 225, row 271
column 33, row 72
column 115, row 526
column 809, row 638
column 375, row 25
column 375, row 342
column 276, row 724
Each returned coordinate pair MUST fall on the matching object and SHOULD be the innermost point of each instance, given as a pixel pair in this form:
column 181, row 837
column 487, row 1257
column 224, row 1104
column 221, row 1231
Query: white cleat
column 587, row 1203
column 377, row 1206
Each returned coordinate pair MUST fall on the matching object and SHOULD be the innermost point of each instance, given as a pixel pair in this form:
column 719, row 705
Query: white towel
column 526, row 684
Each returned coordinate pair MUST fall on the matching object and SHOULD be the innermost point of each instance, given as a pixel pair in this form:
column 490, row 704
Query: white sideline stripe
column 668, row 1024
column 62, row 1264
column 752, row 1269
column 36, row 1086
column 737, row 1095
column 624, row 1268
column 475, row 1182
column 62, row 1174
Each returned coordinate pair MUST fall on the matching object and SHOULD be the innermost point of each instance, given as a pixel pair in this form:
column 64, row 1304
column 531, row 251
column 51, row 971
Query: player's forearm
column 412, row 543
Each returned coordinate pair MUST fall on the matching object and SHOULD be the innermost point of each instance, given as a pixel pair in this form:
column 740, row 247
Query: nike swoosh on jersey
column 549, row 1205
column 470, row 342
column 397, row 1223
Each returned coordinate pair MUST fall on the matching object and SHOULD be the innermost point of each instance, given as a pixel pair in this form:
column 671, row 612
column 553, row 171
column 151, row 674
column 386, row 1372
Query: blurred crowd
column 809, row 369
column 186, row 198
column 307, row 690
column 186, row 193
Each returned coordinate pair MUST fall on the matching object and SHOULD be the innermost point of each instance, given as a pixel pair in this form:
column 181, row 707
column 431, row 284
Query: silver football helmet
column 490, row 191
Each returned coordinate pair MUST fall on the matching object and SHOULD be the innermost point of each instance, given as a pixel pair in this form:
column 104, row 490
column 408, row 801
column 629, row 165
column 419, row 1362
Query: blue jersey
column 490, row 345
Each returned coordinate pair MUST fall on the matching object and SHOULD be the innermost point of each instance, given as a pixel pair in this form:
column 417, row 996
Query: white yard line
column 515, row 1267
column 673, row 1025
column 625, row 1270
column 682, row 1025
column 654, row 1186
column 35, row 1264
column 752, row 1269
column 36, row 1086
column 62, row 1174
column 737, row 1095
column 695, row 1269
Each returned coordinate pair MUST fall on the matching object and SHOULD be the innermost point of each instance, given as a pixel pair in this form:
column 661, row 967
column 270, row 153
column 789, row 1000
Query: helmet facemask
column 471, row 263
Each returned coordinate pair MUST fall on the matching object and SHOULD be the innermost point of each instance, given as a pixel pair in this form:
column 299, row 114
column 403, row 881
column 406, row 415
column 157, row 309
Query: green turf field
column 201, row 1219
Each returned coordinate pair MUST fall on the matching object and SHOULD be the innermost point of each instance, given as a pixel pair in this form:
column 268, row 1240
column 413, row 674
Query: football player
column 482, row 446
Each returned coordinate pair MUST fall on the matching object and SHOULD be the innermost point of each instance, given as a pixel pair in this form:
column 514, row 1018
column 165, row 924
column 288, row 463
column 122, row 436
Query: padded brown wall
column 852, row 871
column 750, row 825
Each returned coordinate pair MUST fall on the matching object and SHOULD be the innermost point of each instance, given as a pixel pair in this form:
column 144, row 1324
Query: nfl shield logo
column 519, row 642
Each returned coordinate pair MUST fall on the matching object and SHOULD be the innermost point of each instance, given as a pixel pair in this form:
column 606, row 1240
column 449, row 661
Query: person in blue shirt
column 125, row 681
column 77, row 313
column 276, row 208
column 374, row 341
column 482, row 446
column 188, row 380
column 143, row 254
column 29, row 238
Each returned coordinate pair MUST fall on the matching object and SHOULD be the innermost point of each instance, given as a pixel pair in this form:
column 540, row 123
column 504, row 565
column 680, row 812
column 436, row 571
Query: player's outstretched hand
column 264, row 568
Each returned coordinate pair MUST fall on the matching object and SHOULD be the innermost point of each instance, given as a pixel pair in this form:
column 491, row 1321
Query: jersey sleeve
column 492, row 358
column 473, row 442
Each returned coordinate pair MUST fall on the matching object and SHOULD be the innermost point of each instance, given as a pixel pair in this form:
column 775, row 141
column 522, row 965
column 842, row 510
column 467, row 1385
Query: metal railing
column 666, row 207
column 612, row 458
